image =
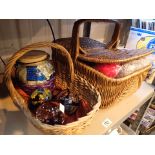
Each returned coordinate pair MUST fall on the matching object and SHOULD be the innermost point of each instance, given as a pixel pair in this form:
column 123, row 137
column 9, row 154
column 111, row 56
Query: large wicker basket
column 111, row 90
column 66, row 78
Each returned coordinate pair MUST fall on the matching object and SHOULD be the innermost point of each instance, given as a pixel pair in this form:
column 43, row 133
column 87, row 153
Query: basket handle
column 21, row 52
column 75, row 35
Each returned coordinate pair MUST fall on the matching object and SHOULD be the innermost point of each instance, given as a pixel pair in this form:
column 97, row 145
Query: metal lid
column 34, row 56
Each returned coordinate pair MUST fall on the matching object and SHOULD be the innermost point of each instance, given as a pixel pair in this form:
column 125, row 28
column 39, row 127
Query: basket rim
column 104, row 60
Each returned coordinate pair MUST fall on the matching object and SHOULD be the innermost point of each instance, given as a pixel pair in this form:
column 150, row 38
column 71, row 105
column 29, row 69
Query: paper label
column 106, row 123
column 114, row 132
column 62, row 108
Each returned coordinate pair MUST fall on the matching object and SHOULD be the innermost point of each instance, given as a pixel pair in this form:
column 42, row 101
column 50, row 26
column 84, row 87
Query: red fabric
column 22, row 93
column 110, row 70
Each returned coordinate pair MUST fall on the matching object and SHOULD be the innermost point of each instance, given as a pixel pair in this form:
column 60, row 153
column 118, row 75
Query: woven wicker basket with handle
column 111, row 90
column 65, row 78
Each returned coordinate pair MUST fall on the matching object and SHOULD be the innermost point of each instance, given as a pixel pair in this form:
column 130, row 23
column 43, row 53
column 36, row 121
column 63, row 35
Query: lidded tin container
column 34, row 70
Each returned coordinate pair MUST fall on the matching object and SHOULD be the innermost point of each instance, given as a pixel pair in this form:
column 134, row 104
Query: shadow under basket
column 65, row 78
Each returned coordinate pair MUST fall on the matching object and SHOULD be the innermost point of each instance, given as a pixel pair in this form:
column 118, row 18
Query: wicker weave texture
column 67, row 79
column 111, row 90
column 96, row 52
column 113, row 56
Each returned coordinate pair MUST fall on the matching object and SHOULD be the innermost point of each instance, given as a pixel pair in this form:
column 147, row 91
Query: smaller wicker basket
column 66, row 78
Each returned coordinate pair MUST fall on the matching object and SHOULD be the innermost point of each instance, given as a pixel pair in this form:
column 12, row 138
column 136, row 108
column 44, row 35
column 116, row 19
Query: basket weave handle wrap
column 75, row 35
column 21, row 52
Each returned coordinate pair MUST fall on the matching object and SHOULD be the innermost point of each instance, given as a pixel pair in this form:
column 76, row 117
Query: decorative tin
column 34, row 70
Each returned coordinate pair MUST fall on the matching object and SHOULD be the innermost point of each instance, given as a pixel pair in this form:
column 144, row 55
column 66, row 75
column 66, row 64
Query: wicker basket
column 111, row 90
column 66, row 78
